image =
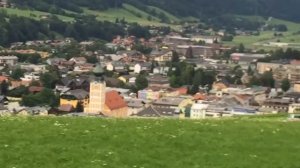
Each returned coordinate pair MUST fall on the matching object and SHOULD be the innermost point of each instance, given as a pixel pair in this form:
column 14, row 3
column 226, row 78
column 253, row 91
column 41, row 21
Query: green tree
column 267, row 79
column 189, row 53
column 250, row 71
column 17, row 73
column 49, row 79
column 175, row 57
column 175, row 81
column 141, row 82
column 187, row 75
column 45, row 98
column 285, row 85
column 92, row 59
column 241, row 48
column 4, row 87
column 18, row 92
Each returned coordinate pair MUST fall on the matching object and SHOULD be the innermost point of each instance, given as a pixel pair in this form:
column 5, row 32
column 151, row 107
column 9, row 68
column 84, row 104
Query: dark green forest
column 15, row 29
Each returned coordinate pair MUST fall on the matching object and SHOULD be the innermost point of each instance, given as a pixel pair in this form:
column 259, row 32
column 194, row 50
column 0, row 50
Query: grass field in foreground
column 93, row 142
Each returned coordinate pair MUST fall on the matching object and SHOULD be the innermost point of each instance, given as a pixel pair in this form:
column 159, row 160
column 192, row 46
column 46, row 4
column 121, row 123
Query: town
column 172, row 76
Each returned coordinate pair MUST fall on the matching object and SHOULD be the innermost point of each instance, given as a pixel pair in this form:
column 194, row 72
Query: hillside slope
column 203, row 9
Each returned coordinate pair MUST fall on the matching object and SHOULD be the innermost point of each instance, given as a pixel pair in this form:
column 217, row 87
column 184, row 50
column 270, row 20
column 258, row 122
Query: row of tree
column 21, row 29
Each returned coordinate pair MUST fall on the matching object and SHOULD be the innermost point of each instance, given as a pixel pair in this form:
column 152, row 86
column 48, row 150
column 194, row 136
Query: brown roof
column 3, row 78
column 199, row 96
column 34, row 89
column 182, row 91
column 114, row 101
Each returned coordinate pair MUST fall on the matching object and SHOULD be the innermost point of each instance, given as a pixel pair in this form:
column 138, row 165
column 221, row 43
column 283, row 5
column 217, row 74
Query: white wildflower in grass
column 6, row 146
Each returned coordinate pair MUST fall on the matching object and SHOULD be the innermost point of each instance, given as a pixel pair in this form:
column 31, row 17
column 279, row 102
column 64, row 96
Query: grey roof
column 169, row 101
column 148, row 112
column 80, row 94
column 66, row 81
column 3, row 98
column 157, row 112
column 135, row 103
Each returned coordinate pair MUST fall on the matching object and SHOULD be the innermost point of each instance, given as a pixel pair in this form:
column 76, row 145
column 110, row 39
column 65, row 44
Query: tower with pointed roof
column 97, row 92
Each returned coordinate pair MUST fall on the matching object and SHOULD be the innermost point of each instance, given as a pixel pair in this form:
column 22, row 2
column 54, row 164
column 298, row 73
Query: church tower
column 97, row 92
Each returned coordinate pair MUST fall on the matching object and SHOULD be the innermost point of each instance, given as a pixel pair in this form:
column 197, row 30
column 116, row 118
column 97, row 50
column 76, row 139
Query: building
column 277, row 105
column 263, row 67
column 77, row 99
column 97, row 92
column 198, row 111
column 203, row 51
column 4, row 3
column 78, row 60
column 244, row 59
column 297, row 87
column 151, row 112
column 294, row 111
column 177, row 40
column 115, row 105
column 109, row 103
column 162, row 56
column 206, row 39
column 158, row 81
column 149, row 94
column 281, row 71
column 8, row 60
column 31, row 77
column 135, row 106
column 33, row 67
column 140, row 67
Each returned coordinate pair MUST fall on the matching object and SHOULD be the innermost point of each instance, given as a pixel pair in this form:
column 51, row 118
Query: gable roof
column 157, row 112
column 114, row 101
column 79, row 94
column 148, row 112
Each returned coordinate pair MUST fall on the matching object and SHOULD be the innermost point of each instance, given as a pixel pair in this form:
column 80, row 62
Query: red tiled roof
column 199, row 96
column 114, row 101
column 295, row 62
column 182, row 91
column 3, row 78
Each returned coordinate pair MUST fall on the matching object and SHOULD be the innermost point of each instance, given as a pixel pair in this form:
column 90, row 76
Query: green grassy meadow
column 92, row 142
column 33, row 14
column 291, row 36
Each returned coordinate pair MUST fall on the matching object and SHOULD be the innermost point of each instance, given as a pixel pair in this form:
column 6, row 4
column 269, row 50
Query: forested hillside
column 204, row 9
column 14, row 29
